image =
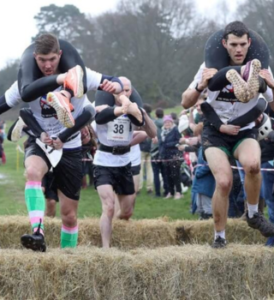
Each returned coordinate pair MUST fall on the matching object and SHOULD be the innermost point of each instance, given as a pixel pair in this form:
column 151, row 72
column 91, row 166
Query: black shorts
column 211, row 137
column 120, row 178
column 47, row 183
column 135, row 170
column 67, row 174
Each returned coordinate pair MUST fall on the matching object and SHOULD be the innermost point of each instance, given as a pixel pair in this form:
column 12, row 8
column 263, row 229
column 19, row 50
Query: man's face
column 237, row 48
column 127, row 89
column 48, row 63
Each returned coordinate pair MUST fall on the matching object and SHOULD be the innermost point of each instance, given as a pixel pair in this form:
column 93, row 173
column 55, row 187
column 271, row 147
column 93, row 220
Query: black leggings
column 33, row 84
column 219, row 80
column 216, row 56
column 83, row 119
column 173, row 169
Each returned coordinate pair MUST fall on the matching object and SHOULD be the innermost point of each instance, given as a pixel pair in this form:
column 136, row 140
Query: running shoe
column 240, row 87
column 168, row 196
column 251, row 76
column 258, row 221
column 62, row 107
column 74, row 81
column 35, row 241
column 16, row 130
column 178, row 196
column 218, row 243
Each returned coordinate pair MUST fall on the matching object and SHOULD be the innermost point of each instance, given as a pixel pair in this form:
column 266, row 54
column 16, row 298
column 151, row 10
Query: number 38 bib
column 119, row 129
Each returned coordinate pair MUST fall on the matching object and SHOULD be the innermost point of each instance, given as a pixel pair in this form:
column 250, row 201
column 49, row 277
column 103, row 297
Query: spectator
column 146, row 169
column 157, row 165
column 170, row 137
column 203, row 187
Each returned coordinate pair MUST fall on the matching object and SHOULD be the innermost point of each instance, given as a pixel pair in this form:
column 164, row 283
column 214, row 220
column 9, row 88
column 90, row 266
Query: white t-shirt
column 116, row 133
column 46, row 115
column 12, row 95
column 225, row 103
column 135, row 155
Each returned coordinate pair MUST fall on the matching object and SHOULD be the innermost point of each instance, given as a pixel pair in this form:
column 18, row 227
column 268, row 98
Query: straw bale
column 130, row 234
column 126, row 234
column 201, row 232
column 170, row 273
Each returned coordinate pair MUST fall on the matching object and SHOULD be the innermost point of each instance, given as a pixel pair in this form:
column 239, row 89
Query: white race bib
column 118, row 130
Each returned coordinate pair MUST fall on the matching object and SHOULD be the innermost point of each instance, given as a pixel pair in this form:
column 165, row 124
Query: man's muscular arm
column 191, row 95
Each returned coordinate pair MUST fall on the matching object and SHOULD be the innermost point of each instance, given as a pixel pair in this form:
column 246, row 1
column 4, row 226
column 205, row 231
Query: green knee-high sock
column 69, row 236
column 35, row 201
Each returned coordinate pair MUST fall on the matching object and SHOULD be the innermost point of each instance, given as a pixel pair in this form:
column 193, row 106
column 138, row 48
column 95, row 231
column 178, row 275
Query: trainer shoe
column 178, row 196
column 62, row 107
column 219, row 242
column 251, row 76
column 168, row 196
column 74, row 81
column 35, row 241
column 16, row 130
column 261, row 223
column 240, row 87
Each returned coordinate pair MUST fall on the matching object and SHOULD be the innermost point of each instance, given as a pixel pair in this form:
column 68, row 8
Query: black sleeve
column 251, row 115
column 210, row 114
column 69, row 59
column 219, row 80
column 105, row 116
column 82, row 120
column 136, row 98
column 135, row 121
column 3, row 105
column 28, row 118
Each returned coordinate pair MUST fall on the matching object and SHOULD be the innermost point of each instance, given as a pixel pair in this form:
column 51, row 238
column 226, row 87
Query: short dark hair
column 237, row 28
column 147, row 107
column 46, row 43
column 159, row 113
column 174, row 116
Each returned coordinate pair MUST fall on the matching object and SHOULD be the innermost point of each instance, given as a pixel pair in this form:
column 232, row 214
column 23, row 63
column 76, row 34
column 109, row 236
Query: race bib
column 118, row 130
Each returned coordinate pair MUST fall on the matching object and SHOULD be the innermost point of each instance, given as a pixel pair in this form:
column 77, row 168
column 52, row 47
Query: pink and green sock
column 35, row 201
column 69, row 236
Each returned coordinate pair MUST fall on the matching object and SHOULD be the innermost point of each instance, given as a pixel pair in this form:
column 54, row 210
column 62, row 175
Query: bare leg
column 249, row 155
column 126, row 206
column 221, row 170
column 106, row 194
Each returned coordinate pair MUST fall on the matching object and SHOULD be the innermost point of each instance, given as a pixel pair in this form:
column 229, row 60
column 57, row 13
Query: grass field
column 12, row 201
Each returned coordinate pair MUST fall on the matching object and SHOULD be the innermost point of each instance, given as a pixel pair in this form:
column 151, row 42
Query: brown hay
column 129, row 235
column 171, row 273
column 201, row 232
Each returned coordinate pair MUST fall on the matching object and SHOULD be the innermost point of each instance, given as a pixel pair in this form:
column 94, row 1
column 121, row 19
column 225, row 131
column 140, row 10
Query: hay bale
column 126, row 234
column 171, row 273
column 130, row 234
column 202, row 232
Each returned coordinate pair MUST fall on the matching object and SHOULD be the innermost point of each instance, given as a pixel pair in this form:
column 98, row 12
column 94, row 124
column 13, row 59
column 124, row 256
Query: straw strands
column 169, row 273
column 131, row 234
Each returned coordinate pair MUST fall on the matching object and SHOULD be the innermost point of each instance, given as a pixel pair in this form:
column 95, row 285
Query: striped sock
column 35, row 201
column 69, row 236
